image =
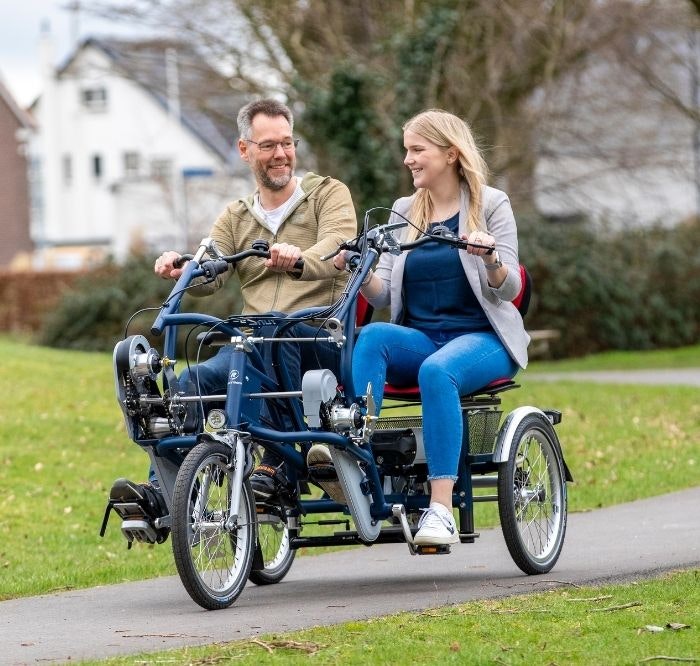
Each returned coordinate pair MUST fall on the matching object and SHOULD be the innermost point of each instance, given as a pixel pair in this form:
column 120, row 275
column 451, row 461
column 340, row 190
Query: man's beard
column 272, row 183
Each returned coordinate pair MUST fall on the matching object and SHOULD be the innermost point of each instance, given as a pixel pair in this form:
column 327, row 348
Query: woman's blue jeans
column 444, row 371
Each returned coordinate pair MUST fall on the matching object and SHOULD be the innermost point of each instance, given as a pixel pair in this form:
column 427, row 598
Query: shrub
column 629, row 289
column 94, row 313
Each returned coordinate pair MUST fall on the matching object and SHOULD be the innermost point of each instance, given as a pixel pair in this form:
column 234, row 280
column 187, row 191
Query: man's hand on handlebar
column 283, row 257
column 340, row 260
column 167, row 265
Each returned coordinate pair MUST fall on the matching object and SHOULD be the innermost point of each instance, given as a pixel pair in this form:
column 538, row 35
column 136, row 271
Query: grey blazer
column 499, row 221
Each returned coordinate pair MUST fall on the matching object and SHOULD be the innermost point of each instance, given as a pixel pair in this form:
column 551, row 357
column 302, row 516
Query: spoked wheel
column 532, row 496
column 273, row 542
column 212, row 557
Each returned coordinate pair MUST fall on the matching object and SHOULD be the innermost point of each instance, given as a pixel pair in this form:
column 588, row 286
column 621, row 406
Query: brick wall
column 14, row 197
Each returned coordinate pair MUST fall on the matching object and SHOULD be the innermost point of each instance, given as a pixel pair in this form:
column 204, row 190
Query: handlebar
column 381, row 239
column 197, row 265
column 220, row 263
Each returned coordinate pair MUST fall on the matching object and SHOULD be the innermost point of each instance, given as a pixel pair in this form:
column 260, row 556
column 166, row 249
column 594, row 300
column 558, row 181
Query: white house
column 135, row 148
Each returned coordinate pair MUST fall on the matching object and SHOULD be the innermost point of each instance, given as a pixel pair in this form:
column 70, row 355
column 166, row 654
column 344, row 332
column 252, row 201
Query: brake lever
column 392, row 245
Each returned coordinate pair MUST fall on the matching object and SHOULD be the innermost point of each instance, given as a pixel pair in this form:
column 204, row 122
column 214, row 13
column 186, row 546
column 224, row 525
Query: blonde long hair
column 445, row 130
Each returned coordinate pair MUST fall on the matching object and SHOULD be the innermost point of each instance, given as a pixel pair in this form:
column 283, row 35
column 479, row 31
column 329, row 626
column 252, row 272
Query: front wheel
column 212, row 557
column 532, row 499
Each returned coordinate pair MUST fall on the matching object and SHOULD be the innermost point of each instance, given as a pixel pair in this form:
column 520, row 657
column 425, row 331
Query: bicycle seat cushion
column 412, row 393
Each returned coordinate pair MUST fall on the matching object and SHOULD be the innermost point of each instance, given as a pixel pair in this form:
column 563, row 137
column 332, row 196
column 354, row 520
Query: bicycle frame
column 250, row 383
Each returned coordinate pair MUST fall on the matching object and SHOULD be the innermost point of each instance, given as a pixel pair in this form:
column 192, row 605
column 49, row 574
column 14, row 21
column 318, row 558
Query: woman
column 453, row 328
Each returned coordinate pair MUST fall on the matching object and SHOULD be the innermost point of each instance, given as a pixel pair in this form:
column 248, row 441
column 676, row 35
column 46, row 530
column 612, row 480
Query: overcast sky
column 20, row 29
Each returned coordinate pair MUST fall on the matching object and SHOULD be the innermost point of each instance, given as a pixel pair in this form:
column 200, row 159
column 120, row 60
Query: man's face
column 274, row 169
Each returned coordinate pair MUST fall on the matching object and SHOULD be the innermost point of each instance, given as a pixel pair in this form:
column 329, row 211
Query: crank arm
column 399, row 511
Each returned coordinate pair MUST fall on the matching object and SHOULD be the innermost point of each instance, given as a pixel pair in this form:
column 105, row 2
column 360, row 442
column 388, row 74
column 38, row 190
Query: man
column 301, row 218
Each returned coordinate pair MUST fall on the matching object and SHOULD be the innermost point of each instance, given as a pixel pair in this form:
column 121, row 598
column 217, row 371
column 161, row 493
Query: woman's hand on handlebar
column 165, row 265
column 482, row 239
column 283, row 257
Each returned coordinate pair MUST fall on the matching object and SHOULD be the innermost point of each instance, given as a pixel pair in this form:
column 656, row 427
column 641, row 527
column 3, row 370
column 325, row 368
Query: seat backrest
column 363, row 314
column 364, row 311
column 522, row 300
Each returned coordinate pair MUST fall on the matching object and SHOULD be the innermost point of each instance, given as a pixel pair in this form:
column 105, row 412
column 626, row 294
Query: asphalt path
column 614, row 544
column 676, row 376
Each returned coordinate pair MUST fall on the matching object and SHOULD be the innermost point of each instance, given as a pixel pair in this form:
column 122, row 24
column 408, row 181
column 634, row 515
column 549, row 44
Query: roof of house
column 24, row 118
column 208, row 106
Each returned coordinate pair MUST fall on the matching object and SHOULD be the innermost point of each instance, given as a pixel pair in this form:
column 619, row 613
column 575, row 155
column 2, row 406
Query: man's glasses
column 270, row 146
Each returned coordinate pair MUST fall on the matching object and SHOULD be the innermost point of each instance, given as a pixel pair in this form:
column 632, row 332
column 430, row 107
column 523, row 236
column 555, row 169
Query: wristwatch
column 496, row 264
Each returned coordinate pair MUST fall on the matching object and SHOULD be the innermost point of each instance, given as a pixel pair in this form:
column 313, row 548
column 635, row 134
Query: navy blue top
column 438, row 299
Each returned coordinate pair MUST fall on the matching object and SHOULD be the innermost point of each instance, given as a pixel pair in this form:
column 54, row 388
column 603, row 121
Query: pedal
column 139, row 530
column 443, row 549
column 136, row 525
column 128, row 510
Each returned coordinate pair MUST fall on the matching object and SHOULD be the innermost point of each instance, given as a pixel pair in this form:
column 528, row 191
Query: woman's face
column 427, row 162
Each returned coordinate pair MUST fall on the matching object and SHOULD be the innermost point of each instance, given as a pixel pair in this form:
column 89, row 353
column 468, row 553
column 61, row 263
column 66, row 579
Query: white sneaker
column 436, row 527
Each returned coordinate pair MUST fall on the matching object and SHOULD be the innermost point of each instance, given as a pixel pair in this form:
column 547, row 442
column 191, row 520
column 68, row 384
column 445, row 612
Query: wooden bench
column 540, row 341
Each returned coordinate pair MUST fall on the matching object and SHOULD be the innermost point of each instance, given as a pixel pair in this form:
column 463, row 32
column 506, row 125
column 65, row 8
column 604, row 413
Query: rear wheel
column 212, row 557
column 532, row 500
column 274, row 549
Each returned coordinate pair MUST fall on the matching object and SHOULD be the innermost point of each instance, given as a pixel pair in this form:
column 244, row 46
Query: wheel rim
column 218, row 554
column 538, row 496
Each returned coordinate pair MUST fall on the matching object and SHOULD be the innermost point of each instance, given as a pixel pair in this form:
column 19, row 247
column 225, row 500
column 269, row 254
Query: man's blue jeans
column 443, row 369
column 210, row 377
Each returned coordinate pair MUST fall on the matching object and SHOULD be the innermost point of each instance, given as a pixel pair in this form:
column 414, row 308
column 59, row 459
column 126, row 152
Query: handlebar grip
column 214, row 267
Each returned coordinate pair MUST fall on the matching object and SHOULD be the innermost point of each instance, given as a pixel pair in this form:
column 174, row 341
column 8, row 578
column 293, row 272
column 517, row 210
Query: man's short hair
column 269, row 107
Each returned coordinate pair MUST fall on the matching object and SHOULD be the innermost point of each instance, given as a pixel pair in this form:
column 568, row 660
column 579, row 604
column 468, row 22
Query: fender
column 504, row 440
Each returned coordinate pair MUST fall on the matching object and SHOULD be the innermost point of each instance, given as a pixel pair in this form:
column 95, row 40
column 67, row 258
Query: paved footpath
column 620, row 543
column 677, row 376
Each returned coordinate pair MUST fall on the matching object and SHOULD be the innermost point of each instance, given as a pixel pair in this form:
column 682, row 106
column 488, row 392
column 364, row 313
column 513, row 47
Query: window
column 94, row 99
column 67, row 170
column 161, row 168
column 97, row 167
column 132, row 164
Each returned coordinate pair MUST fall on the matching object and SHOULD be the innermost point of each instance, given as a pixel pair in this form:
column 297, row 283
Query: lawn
column 64, row 443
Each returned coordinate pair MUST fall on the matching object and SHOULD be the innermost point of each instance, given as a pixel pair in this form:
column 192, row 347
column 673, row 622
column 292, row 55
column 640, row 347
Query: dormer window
column 94, row 99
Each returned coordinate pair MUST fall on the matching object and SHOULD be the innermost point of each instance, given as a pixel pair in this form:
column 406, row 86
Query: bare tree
column 357, row 70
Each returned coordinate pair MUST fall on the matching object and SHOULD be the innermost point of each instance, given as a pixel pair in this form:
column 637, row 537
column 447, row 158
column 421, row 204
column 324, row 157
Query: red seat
column 411, row 393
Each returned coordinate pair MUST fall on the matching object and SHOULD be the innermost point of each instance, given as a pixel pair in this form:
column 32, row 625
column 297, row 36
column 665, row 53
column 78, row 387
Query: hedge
column 601, row 289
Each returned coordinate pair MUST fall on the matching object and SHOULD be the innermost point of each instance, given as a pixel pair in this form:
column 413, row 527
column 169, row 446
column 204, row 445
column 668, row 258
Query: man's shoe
column 268, row 482
column 146, row 495
column 436, row 527
column 322, row 472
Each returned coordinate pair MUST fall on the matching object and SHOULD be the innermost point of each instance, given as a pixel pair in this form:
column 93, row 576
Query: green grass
column 684, row 357
column 64, row 443
column 611, row 625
